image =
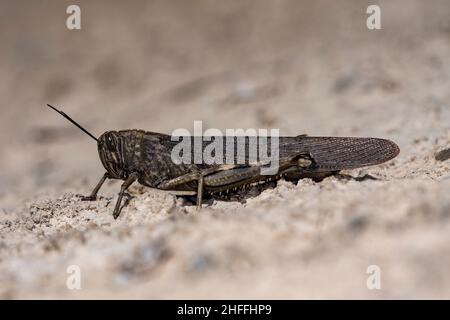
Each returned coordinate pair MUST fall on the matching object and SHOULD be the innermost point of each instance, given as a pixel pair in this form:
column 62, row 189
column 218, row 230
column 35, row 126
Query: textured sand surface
column 302, row 67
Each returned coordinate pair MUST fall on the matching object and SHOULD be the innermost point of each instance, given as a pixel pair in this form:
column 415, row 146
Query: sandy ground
column 302, row 67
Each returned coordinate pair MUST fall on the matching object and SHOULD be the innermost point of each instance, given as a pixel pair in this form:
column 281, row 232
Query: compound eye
column 110, row 142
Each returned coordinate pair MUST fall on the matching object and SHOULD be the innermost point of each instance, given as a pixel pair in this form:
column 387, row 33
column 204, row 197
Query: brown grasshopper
column 136, row 155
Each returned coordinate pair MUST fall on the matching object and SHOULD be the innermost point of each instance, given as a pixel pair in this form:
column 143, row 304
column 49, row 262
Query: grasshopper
column 145, row 157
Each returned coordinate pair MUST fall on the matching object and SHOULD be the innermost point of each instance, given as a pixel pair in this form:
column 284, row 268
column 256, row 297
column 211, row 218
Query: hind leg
column 202, row 177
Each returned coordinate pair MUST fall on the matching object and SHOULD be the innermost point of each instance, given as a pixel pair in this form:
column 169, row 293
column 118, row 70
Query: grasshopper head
column 111, row 152
column 111, row 148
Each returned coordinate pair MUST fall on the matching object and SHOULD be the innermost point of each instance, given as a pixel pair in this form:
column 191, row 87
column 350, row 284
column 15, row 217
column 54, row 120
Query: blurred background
column 305, row 67
column 300, row 66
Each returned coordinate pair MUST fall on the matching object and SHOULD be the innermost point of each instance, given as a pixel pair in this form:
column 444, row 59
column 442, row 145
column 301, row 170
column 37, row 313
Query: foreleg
column 123, row 192
column 93, row 195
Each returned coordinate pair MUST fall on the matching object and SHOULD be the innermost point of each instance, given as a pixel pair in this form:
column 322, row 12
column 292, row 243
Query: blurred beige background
column 301, row 66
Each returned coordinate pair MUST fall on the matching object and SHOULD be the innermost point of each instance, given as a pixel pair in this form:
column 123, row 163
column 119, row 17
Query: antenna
column 74, row 122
